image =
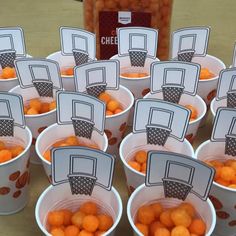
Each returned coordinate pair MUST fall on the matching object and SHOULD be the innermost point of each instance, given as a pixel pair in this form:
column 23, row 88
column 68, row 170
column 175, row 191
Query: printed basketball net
column 96, row 89
column 230, row 144
column 157, row 135
column 186, row 55
column 80, row 57
column 172, row 93
column 82, row 127
column 137, row 57
column 6, row 126
column 82, row 183
column 7, row 58
column 231, row 99
column 176, row 189
column 44, row 88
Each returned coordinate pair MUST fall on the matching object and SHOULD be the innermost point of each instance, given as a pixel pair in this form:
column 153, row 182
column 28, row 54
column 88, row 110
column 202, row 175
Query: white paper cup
column 144, row 195
column 8, row 84
column 138, row 141
column 60, row 197
column 36, row 123
column 116, row 125
column 223, row 198
column 57, row 132
column 215, row 105
column 207, row 88
column 14, row 176
column 65, row 62
column 195, row 101
column 138, row 86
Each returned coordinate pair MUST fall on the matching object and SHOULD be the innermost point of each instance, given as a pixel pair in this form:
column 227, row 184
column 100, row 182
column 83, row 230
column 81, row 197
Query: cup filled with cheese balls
column 14, row 170
column 118, row 105
column 198, row 109
column 58, row 212
column 150, row 213
column 63, row 136
column 136, row 79
column 66, row 64
column 223, row 191
column 133, row 153
column 209, row 74
column 8, row 79
column 40, row 112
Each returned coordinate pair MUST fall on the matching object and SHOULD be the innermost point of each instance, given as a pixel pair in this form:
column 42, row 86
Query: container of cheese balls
column 14, row 170
column 151, row 214
column 158, row 11
column 210, row 69
column 66, row 64
column 118, row 105
column 133, row 154
column 223, row 191
column 58, row 212
column 8, row 79
column 62, row 136
column 40, row 112
column 198, row 110
column 136, row 79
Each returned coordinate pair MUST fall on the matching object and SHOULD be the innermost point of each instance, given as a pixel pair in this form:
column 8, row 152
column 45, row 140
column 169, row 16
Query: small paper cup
column 8, row 84
column 57, row 132
column 115, row 126
column 60, row 197
column 223, row 198
column 36, row 123
column 207, row 88
column 65, row 62
column 144, row 195
column 138, row 86
column 14, row 175
column 195, row 101
column 135, row 142
column 215, row 105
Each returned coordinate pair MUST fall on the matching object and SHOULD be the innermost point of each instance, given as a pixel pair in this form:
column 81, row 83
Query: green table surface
column 41, row 21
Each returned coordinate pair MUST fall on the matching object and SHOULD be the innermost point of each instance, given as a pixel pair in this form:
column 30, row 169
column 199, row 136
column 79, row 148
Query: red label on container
column 110, row 20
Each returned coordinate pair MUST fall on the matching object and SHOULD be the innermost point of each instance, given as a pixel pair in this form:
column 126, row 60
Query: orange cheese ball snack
column 69, row 141
column 8, row 73
column 9, row 151
column 194, row 113
column 105, row 222
column 57, row 232
column 206, row 74
column 36, row 106
column 162, row 232
column 80, row 222
column 89, row 208
column 68, row 71
column 225, row 172
column 71, row 230
column 134, row 75
column 113, row 107
column 155, row 220
column 139, row 161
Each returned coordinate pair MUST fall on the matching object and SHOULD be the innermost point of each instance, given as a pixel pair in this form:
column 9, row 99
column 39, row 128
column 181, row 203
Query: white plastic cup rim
column 128, row 108
column 39, row 202
column 133, row 195
column 23, row 153
column 201, row 101
column 10, row 79
column 125, row 162
column 215, row 183
column 46, row 130
column 216, row 77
